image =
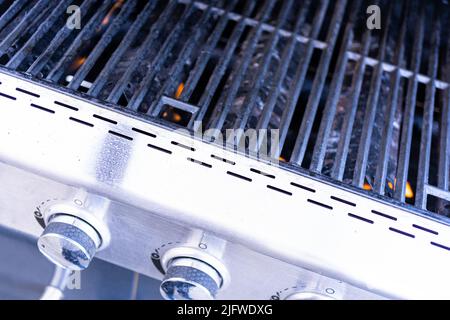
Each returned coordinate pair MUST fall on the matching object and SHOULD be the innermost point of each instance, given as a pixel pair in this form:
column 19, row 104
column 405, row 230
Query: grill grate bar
column 223, row 107
column 346, row 131
column 29, row 18
column 220, row 68
column 15, row 61
column 127, row 40
column 405, row 73
column 265, row 26
column 444, row 139
column 33, row 25
column 105, row 40
column 427, row 125
column 177, row 67
column 59, row 38
column 319, row 82
column 143, row 51
column 300, row 75
column 332, row 100
column 157, row 62
column 381, row 172
column 281, row 73
column 250, row 98
column 437, row 192
column 11, row 12
column 86, row 33
column 366, row 136
column 410, row 106
column 206, row 53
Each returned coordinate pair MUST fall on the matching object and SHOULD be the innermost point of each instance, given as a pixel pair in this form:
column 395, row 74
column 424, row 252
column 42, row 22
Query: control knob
column 190, row 279
column 69, row 242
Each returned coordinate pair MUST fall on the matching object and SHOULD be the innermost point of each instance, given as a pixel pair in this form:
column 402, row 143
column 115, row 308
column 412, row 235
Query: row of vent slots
column 228, row 172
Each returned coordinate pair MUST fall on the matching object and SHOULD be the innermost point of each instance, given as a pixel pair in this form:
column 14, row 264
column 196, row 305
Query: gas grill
column 113, row 118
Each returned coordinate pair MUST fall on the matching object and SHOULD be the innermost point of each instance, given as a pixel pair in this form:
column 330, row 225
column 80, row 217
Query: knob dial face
column 190, row 279
column 69, row 242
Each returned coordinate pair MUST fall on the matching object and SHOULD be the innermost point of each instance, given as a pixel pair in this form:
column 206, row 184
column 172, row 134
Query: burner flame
column 409, row 193
column 78, row 62
column 179, row 90
column 113, row 9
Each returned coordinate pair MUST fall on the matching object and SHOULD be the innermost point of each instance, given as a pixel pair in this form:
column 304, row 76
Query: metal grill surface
column 370, row 108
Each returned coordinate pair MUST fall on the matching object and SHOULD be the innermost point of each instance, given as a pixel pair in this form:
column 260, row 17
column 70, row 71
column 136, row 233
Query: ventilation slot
column 120, row 135
column 65, row 106
column 104, row 119
column 279, row 190
column 200, row 162
column 182, row 145
column 262, row 173
column 159, row 148
column 425, row 229
column 41, row 108
column 360, row 218
column 440, row 246
column 320, row 204
column 223, row 159
column 81, row 122
column 402, row 232
column 28, row 92
column 7, row 96
column 302, row 187
column 384, row 215
column 343, row 201
column 144, row 132
column 239, row 176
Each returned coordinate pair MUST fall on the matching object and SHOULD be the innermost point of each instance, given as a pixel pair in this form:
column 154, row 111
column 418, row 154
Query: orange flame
column 409, row 192
column 179, row 90
column 176, row 117
column 78, row 62
column 111, row 11
column 367, row 186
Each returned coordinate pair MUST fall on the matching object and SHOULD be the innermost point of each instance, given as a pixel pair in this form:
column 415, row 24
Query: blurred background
column 24, row 274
